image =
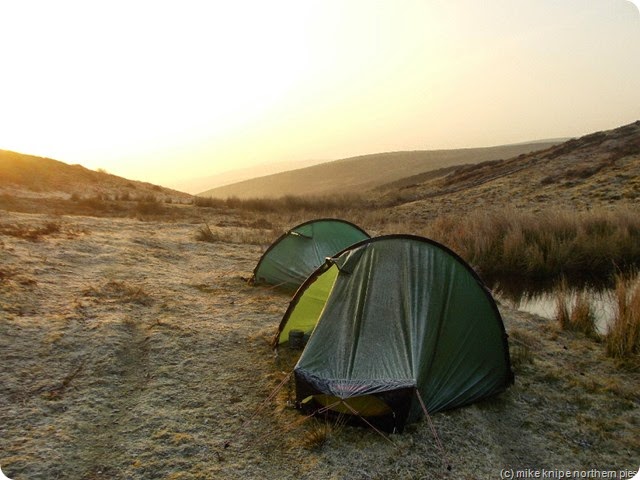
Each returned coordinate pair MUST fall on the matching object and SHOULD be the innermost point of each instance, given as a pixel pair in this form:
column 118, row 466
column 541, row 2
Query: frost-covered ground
column 130, row 350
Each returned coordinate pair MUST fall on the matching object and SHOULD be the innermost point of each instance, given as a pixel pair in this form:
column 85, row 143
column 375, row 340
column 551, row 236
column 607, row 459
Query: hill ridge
column 601, row 167
column 364, row 172
column 31, row 176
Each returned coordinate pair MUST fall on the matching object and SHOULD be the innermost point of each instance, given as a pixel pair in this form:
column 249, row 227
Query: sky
column 167, row 91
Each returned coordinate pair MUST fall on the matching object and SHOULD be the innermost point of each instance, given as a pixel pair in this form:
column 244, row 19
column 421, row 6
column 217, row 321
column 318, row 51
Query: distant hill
column 598, row 169
column 30, row 176
column 595, row 170
column 365, row 172
column 199, row 184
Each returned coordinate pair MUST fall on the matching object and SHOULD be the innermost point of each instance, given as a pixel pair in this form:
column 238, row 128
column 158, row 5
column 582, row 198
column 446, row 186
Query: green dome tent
column 294, row 255
column 396, row 321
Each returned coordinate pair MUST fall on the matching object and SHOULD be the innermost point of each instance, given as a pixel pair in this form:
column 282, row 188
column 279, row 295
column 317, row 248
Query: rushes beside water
column 623, row 334
column 574, row 311
column 544, row 244
column 583, row 318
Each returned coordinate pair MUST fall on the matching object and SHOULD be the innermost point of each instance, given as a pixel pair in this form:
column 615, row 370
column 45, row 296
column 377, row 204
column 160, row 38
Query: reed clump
column 238, row 235
column 544, row 244
column 316, row 436
column 29, row 232
column 574, row 312
column 321, row 204
column 149, row 205
column 204, row 234
column 583, row 318
column 622, row 339
column 562, row 312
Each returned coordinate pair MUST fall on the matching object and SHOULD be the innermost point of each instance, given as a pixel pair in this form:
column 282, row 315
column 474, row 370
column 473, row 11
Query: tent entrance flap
column 387, row 411
column 366, row 405
column 308, row 307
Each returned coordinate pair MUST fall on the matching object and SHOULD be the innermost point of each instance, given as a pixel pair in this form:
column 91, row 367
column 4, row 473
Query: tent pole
column 443, row 452
column 355, row 412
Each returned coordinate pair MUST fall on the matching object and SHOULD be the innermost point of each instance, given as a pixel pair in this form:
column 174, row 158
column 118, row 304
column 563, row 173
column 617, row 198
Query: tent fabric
column 296, row 254
column 394, row 314
column 308, row 307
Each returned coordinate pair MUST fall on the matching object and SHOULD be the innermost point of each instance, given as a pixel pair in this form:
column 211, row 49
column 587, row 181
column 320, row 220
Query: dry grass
column 121, row 292
column 562, row 312
column 583, row 318
column 133, row 350
column 204, row 234
column 116, row 205
column 149, row 205
column 574, row 311
column 544, row 244
column 520, row 352
column 323, row 205
column 30, row 232
column 622, row 339
column 317, row 434
column 141, row 353
column 247, row 235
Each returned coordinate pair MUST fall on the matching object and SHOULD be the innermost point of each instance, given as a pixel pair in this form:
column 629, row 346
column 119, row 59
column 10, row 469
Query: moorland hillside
column 133, row 346
column 35, row 184
column 362, row 173
column 599, row 169
column 33, row 176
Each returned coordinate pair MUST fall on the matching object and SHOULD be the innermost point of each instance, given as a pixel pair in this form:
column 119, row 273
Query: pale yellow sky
column 165, row 91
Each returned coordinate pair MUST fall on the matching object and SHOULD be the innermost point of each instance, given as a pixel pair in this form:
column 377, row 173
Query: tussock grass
column 31, row 233
column 562, row 313
column 520, row 354
column 583, row 318
column 114, row 204
column 622, row 339
column 317, row 435
column 12, row 274
column 6, row 274
column 149, row 205
column 574, row 311
column 288, row 203
column 204, row 234
column 544, row 244
column 120, row 291
column 96, row 203
column 521, row 347
column 238, row 235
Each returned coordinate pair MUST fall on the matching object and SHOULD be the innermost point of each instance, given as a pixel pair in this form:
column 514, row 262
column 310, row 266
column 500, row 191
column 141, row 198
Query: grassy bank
column 312, row 205
column 504, row 242
column 540, row 244
column 544, row 244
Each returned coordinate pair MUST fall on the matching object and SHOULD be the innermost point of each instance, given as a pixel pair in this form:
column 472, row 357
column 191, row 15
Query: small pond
column 539, row 298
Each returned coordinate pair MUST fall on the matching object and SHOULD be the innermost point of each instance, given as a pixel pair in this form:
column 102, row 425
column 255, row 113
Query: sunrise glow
column 167, row 91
